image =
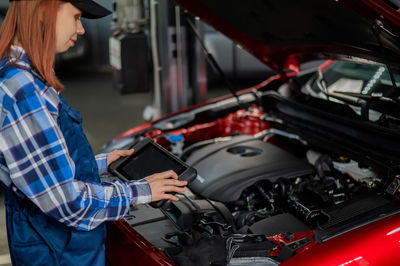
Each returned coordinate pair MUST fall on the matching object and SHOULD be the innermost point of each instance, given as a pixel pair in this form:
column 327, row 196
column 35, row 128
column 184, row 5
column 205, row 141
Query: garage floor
column 106, row 114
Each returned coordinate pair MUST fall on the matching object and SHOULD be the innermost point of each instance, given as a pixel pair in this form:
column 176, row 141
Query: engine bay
column 252, row 188
column 273, row 180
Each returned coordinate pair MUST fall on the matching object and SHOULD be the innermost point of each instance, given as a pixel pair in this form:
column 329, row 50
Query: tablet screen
column 147, row 161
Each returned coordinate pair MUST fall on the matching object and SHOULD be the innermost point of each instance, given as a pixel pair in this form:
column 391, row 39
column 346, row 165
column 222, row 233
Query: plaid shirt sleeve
column 35, row 153
column 101, row 160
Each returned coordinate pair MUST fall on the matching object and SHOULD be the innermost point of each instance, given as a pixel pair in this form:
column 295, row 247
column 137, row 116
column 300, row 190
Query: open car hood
column 283, row 34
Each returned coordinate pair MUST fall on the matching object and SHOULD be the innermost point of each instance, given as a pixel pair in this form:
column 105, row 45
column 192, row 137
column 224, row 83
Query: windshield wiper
column 347, row 99
column 375, row 101
column 362, row 103
column 374, row 96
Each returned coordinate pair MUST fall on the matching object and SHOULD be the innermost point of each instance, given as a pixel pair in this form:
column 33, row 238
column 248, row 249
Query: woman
column 56, row 206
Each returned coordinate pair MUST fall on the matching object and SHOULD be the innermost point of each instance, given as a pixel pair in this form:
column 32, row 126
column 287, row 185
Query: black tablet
column 150, row 158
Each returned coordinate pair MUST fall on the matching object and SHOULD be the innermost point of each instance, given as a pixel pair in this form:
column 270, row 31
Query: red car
column 303, row 169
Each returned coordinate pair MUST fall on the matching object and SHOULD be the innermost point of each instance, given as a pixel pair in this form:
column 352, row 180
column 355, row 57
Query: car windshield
column 367, row 89
column 359, row 78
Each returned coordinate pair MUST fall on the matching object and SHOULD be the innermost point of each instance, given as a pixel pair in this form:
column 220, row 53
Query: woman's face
column 68, row 27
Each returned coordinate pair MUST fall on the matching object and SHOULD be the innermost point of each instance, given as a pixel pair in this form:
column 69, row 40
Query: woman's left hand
column 115, row 155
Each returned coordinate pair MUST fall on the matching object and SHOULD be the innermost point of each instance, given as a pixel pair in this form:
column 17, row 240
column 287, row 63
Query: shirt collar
column 18, row 57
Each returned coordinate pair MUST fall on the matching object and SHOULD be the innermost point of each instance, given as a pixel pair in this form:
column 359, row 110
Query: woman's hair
column 33, row 25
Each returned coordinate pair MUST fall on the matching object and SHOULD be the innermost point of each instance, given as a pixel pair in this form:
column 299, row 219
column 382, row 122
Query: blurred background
column 140, row 63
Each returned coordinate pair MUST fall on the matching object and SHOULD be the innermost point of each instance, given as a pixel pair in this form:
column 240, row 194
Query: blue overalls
column 37, row 239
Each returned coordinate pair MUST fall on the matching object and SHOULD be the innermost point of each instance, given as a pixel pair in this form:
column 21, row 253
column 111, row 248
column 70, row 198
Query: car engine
column 259, row 182
column 273, row 179
column 252, row 187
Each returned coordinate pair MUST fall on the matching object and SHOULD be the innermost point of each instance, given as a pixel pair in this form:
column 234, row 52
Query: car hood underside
column 285, row 33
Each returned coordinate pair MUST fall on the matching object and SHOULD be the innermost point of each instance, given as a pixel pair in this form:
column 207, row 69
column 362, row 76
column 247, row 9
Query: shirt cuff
column 141, row 191
column 101, row 160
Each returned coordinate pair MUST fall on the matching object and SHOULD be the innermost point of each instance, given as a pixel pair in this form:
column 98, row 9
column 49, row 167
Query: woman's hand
column 115, row 155
column 161, row 183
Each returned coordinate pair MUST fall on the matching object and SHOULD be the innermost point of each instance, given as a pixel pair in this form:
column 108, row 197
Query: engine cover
column 226, row 168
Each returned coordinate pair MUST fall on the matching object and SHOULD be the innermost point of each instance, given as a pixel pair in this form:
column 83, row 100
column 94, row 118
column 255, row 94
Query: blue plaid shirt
column 34, row 159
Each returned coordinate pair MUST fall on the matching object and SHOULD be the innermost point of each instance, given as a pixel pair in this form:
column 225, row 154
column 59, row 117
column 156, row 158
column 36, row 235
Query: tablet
column 150, row 158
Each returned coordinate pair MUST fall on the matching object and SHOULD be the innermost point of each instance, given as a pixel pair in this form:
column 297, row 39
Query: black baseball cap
column 90, row 9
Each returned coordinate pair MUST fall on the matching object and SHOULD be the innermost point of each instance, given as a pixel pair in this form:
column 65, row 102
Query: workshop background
column 94, row 88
